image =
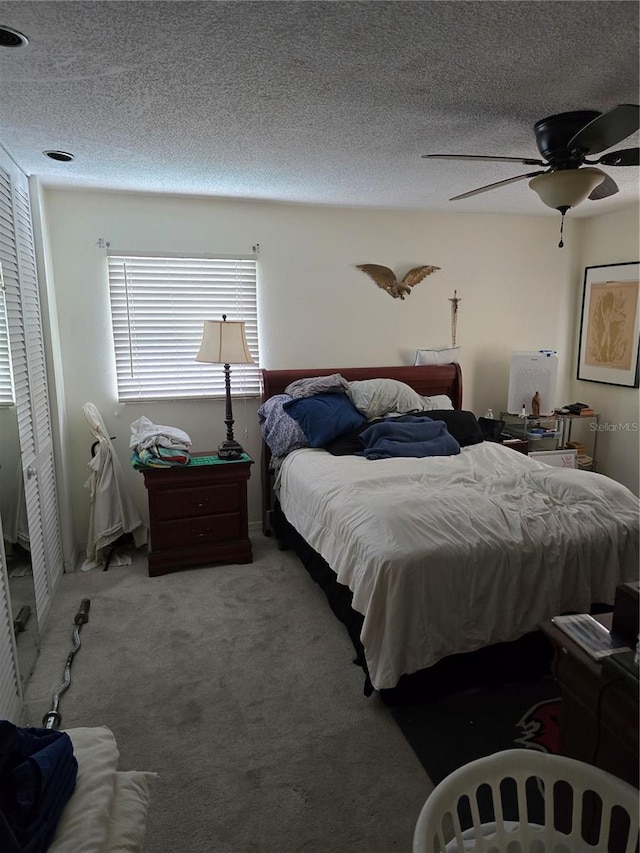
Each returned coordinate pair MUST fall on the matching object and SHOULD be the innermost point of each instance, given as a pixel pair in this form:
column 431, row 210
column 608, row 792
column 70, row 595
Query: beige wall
column 610, row 239
column 316, row 309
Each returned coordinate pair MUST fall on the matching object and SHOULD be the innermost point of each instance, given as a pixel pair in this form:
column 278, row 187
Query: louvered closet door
column 10, row 699
column 30, row 380
column 43, row 481
column 9, row 690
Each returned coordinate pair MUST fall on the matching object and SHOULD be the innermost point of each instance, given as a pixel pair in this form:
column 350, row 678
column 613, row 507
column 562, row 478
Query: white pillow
column 438, row 401
column 107, row 811
column 84, row 822
column 439, row 355
column 378, row 397
column 129, row 814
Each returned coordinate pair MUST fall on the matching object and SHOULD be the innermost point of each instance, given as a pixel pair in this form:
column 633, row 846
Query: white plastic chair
column 439, row 829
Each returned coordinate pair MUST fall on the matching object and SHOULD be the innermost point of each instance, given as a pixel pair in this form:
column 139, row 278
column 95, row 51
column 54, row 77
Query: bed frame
column 426, row 380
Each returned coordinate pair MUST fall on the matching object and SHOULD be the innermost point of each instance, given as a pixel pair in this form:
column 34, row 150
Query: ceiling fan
column 564, row 142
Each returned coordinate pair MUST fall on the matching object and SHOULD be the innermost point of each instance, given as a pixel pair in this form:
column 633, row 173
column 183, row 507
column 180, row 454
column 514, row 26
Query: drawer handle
column 204, row 532
column 200, row 503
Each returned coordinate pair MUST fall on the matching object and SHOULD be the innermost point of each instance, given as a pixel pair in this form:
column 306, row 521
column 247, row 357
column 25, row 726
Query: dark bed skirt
column 526, row 659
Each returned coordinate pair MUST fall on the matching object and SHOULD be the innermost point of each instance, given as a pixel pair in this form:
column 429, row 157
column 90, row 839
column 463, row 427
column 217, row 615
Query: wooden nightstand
column 198, row 514
column 519, row 444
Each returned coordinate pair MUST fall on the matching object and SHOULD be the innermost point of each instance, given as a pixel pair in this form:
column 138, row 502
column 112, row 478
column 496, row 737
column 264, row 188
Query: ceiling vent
column 12, row 38
column 62, row 156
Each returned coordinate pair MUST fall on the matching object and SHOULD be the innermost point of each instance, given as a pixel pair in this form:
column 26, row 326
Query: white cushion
column 108, row 809
column 440, row 355
column 85, row 819
column 129, row 813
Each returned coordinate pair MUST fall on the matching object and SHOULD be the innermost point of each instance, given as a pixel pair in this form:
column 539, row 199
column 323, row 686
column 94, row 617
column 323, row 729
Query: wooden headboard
column 427, row 380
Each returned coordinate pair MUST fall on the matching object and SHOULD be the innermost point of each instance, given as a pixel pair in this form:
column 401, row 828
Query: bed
column 438, row 559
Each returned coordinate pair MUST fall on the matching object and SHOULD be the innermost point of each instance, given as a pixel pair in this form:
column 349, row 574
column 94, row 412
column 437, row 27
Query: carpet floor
column 235, row 684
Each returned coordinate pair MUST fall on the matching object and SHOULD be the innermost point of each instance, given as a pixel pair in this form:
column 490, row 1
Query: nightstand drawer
column 196, row 500
column 185, row 532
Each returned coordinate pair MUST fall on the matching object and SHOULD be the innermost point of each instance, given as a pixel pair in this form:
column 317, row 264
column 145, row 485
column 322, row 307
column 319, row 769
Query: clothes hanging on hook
column 112, row 512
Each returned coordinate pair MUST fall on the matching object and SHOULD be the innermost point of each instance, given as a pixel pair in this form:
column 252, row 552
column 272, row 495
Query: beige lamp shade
column 567, row 187
column 224, row 342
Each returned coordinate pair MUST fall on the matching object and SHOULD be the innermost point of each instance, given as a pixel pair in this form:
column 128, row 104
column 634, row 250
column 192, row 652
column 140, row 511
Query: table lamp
column 225, row 343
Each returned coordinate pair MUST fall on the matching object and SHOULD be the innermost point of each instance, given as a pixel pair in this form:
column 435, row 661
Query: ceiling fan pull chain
column 561, row 243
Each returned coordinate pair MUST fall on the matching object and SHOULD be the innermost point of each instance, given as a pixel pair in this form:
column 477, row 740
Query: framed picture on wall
column 610, row 325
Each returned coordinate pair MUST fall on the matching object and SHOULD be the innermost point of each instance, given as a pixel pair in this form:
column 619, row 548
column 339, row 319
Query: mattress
column 445, row 555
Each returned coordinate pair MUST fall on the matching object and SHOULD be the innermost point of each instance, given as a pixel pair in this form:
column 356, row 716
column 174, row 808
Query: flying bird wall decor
column 385, row 278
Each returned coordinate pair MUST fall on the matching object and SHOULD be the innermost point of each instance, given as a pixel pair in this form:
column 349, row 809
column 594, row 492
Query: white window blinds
column 158, row 308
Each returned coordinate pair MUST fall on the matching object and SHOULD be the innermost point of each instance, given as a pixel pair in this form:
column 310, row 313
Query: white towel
column 145, row 433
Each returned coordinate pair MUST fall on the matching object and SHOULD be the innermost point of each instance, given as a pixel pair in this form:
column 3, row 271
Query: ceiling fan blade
column 607, row 129
column 605, row 189
column 624, row 157
column 496, row 185
column 526, row 161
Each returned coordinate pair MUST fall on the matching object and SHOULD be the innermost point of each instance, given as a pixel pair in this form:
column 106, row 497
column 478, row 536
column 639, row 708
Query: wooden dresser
column 198, row 514
column 599, row 717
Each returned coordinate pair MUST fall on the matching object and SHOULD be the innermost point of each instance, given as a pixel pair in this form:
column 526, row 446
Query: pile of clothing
column 158, row 446
column 37, row 777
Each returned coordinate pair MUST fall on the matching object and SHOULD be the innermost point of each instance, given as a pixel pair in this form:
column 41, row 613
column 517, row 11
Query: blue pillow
column 324, row 417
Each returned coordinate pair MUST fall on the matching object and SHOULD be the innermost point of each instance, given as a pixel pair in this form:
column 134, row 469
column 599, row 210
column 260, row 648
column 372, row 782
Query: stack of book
column 584, row 461
column 591, row 635
column 577, row 409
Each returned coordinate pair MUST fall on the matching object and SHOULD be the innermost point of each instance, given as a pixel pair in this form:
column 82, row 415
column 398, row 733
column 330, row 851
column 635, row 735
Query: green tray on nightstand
column 213, row 459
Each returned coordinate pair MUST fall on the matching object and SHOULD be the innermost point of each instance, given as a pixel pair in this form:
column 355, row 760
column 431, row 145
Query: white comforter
column 448, row 554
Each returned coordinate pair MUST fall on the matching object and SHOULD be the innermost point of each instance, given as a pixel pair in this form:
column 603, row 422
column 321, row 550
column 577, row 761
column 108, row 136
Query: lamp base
column 230, row 450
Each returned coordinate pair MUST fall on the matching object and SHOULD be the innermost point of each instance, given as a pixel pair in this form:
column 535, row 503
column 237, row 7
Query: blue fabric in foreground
column 407, row 436
column 37, row 777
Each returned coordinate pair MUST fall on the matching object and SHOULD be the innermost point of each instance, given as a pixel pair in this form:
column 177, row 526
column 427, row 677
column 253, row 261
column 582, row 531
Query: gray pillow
column 378, row 397
column 334, row 383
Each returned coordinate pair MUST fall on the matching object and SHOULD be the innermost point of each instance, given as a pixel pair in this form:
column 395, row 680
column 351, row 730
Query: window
column 158, row 306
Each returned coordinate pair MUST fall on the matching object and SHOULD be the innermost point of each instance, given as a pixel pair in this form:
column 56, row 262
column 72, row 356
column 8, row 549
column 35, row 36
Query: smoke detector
column 62, row 156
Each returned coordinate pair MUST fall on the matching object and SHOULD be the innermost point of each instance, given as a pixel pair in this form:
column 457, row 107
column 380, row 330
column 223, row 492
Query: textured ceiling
column 326, row 103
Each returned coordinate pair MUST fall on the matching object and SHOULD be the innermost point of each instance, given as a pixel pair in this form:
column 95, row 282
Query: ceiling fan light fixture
column 567, row 187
